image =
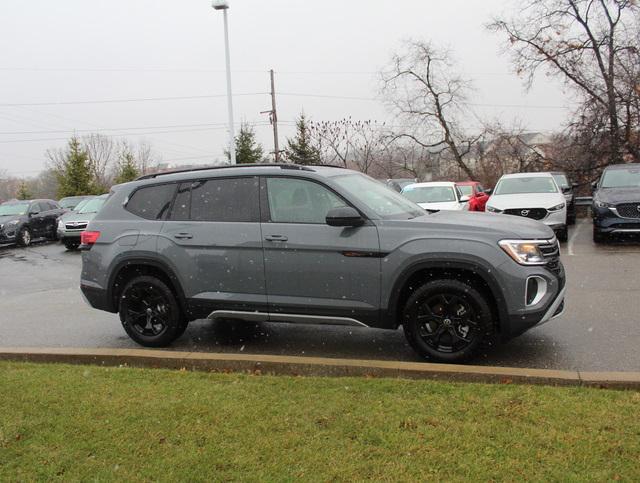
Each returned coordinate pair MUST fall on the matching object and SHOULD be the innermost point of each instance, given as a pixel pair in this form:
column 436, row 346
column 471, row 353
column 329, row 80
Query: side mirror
column 488, row 191
column 344, row 216
column 464, row 199
column 567, row 189
column 594, row 186
column 33, row 213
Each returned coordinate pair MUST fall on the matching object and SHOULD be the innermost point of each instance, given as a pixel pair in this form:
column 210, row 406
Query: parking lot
column 41, row 306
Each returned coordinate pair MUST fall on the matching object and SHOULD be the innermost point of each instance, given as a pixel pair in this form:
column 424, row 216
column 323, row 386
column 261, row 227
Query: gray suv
column 315, row 245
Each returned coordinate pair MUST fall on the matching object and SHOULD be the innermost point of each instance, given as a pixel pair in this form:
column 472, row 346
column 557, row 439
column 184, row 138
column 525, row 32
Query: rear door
column 313, row 268
column 213, row 239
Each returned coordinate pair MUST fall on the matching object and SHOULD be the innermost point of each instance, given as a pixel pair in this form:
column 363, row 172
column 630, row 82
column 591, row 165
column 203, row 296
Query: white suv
column 532, row 195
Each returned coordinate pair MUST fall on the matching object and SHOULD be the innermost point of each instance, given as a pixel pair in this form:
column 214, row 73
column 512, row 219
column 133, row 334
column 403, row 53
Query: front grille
column 627, row 226
column 533, row 213
column 75, row 226
column 629, row 210
column 551, row 253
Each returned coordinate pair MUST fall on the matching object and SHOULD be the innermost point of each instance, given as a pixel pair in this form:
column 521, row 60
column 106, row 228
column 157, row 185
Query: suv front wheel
column 446, row 320
column 150, row 313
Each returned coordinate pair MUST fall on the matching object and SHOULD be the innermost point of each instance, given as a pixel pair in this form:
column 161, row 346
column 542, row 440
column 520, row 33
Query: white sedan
column 436, row 196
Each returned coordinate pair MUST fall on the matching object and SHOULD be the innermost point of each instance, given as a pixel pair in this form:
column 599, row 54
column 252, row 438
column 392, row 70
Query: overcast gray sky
column 97, row 50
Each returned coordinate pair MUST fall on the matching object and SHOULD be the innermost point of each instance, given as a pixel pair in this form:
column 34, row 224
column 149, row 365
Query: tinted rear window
column 152, row 202
column 222, row 199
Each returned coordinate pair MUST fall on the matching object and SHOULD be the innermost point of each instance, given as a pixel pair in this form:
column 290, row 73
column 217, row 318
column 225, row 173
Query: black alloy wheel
column 150, row 313
column 447, row 320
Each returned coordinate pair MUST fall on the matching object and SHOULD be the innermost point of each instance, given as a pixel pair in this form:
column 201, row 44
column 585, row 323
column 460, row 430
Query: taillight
column 89, row 237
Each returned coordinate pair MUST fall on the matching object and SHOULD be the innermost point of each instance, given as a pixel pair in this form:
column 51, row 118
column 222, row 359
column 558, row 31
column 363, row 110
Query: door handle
column 183, row 236
column 274, row 238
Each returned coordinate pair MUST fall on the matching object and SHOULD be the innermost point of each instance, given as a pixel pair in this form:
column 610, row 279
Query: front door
column 213, row 239
column 313, row 268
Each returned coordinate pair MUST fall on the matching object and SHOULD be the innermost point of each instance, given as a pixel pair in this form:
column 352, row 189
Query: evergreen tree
column 300, row 149
column 248, row 150
column 127, row 169
column 23, row 192
column 74, row 174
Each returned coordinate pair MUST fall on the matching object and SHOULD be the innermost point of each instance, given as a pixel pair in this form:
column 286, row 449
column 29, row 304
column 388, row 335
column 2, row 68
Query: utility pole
column 273, row 117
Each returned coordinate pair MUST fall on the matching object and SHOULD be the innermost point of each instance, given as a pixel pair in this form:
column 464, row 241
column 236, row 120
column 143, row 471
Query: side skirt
column 286, row 318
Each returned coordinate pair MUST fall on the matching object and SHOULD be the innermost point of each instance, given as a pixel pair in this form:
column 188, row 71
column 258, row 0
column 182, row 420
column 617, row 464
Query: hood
column 444, row 205
column 74, row 216
column 465, row 224
column 618, row 195
column 526, row 200
column 7, row 218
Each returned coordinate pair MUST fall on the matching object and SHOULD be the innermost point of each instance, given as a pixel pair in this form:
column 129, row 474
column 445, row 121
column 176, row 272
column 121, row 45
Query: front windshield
column 429, row 194
column 91, row 206
column 385, row 202
column 14, row 209
column 621, row 178
column 533, row 184
column 80, row 205
column 69, row 203
column 562, row 180
column 466, row 189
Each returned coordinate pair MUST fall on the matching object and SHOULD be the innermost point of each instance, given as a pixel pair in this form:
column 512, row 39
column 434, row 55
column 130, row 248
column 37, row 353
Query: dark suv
column 616, row 202
column 315, row 245
column 562, row 180
column 23, row 221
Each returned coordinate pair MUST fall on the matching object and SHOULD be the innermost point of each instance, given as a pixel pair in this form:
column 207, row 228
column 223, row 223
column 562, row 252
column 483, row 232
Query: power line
column 134, row 99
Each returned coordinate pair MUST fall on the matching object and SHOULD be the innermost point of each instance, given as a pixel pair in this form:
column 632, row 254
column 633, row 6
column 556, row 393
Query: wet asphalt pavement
column 41, row 306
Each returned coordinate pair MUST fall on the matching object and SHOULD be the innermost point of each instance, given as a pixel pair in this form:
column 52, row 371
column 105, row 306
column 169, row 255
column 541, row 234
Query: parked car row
column 545, row 197
column 23, row 221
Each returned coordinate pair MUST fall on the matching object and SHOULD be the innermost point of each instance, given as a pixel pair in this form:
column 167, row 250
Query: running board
column 287, row 318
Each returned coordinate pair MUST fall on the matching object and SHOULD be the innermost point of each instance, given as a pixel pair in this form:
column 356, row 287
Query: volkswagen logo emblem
column 524, row 212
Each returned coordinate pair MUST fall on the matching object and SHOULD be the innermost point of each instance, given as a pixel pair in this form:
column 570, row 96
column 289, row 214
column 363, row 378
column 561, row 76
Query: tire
column 150, row 312
column 71, row 246
column 24, row 237
column 563, row 234
column 433, row 323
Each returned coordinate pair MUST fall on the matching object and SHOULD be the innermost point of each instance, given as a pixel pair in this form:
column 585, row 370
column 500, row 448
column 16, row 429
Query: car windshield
column 14, row 209
column 621, row 178
column 561, row 180
column 91, row 206
column 429, row 194
column 533, row 184
column 384, row 201
column 69, row 203
column 80, row 205
column 466, row 189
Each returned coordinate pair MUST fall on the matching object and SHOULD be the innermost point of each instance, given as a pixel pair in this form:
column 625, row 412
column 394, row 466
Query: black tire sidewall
column 470, row 294
column 176, row 325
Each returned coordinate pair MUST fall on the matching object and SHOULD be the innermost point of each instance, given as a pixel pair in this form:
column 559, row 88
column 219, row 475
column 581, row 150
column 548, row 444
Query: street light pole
column 224, row 6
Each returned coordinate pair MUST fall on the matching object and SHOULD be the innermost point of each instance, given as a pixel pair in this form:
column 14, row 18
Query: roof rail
column 226, row 166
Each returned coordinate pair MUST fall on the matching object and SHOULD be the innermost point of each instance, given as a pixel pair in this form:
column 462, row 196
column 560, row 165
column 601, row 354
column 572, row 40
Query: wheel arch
column 126, row 269
column 413, row 276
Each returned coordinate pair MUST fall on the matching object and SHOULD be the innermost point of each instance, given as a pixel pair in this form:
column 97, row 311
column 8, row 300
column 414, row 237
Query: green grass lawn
column 86, row 423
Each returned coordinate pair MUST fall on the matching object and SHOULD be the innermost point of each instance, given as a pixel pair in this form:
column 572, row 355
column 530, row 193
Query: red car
column 476, row 193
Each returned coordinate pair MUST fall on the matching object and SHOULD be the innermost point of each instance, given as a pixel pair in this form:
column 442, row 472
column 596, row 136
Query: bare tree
column 423, row 89
column 355, row 144
column 146, row 159
column 101, row 151
column 593, row 46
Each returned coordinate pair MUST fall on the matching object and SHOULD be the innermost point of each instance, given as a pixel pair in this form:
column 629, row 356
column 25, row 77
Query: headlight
column 491, row 209
column 60, row 225
column 602, row 204
column 524, row 252
column 11, row 223
column 557, row 207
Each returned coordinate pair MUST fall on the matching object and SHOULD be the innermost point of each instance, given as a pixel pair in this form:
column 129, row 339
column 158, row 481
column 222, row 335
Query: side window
column 182, row 203
column 223, row 199
column 151, row 202
column 37, row 208
column 480, row 188
column 294, row 200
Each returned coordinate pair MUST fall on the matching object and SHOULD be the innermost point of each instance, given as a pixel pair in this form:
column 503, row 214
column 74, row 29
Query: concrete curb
column 316, row 366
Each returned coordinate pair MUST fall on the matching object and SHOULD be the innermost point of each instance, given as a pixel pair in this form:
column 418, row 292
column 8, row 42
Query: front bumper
column 607, row 221
column 69, row 235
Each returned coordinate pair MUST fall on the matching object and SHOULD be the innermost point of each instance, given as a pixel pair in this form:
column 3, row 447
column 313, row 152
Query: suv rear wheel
column 150, row 313
column 24, row 237
column 446, row 320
